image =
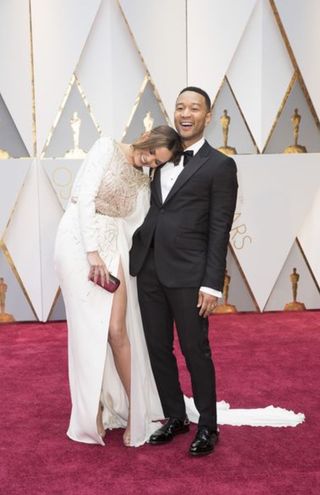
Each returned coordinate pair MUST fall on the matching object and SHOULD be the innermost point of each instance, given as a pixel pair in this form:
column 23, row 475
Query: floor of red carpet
column 260, row 359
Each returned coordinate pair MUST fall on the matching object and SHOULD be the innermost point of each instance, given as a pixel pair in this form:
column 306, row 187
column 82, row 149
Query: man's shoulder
column 216, row 155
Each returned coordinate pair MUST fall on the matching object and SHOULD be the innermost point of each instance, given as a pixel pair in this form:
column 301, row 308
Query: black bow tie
column 187, row 155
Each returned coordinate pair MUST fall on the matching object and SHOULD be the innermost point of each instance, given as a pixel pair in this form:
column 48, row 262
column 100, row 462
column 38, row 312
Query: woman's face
column 151, row 158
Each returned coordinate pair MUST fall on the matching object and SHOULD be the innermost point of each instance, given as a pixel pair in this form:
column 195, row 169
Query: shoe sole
column 200, row 454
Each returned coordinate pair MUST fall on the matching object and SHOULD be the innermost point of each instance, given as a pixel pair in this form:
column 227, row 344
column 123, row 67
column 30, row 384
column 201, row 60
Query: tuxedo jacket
column 189, row 230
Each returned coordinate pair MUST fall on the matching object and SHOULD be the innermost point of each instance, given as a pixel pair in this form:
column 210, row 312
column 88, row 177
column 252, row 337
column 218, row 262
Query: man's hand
column 97, row 267
column 206, row 303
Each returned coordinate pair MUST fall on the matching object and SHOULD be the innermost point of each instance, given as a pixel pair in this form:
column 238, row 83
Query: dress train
column 264, row 416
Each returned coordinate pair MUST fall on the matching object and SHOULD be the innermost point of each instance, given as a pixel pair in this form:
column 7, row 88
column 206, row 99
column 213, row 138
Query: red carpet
column 263, row 359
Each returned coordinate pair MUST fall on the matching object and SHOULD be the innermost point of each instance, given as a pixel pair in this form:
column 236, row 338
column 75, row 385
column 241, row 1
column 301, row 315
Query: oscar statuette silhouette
column 294, row 305
column 225, row 307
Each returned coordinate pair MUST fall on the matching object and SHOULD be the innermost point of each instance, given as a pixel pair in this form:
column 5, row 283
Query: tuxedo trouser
column 160, row 308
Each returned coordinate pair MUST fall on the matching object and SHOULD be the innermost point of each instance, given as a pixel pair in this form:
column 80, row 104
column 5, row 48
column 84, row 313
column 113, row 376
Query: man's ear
column 208, row 118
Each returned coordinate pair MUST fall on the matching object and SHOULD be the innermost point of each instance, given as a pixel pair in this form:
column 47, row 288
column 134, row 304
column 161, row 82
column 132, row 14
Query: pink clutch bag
column 110, row 286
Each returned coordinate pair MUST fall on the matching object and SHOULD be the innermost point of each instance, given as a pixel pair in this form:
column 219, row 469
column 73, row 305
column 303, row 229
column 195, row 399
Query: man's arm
column 222, row 207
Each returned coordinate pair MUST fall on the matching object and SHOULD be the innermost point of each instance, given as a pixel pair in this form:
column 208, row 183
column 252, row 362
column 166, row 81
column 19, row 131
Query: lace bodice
column 105, row 184
column 119, row 187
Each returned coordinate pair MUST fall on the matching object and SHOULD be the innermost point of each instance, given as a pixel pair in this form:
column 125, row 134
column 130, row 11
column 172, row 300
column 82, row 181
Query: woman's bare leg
column 119, row 341
column 100, row 427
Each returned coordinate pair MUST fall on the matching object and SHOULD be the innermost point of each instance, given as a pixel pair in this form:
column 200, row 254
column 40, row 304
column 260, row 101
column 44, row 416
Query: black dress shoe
column 204, row 442
column 170, row 429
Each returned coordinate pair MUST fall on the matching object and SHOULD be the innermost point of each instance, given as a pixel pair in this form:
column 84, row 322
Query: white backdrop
column 112, row 62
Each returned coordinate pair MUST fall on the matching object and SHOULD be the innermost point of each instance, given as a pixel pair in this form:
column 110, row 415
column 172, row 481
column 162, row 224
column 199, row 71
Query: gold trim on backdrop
column 282, row 105
column 308, row 265
column 284, row 264
column 17, row 198
column 226, row 81
column 214, row 100
column 244, row 278
column 155, row 90
column 56, row 297
column 156, row 94
column 87, row 104
column 135, row 106
column 34, row 119
column 145, row 82
column 74, row 80
column 294, row 61
column 4, row 316
column 57, row 118
column 243, row 117
column 10, row 262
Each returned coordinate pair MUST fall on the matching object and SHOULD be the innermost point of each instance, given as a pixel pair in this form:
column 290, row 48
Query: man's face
column 191, row 116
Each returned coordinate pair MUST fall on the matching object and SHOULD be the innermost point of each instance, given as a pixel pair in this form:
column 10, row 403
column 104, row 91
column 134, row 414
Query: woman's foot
column 126, row 436
column 100, row 427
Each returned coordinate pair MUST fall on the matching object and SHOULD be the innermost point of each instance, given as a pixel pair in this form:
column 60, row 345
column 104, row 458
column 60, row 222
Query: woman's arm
column 92, row 172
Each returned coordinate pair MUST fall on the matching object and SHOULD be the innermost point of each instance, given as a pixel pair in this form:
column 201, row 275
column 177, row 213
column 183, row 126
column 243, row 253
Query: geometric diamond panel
column 211, row 43
column 11, row 143
column 309, row 237
column 60, row 30
column 110, row 69
column 12, row 176
column 307, row 290
column 295, row 117
column 49, row 218
column 75, row 130
column 236, row 132
column 240, row 294
column 61, row 174
column 300, row 20
column 22, row 238
column 164, row 55
column 260, row 72
column 262, row 238
column 148, row 114
column 58, row 311
column 16, row 300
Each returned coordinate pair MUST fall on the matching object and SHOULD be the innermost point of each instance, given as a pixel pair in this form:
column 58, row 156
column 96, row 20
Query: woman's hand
column 98, row 269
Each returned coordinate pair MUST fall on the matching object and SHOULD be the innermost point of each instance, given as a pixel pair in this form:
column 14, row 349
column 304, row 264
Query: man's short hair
column 195, row 89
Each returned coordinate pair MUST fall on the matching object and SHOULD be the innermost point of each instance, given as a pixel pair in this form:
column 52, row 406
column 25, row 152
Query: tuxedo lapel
column 193, row 165
column 156, row 186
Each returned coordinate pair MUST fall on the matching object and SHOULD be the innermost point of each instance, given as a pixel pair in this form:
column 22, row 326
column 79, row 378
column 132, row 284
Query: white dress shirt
column 169, row 174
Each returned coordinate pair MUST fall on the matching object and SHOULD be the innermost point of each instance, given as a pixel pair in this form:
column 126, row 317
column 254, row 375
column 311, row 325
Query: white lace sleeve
column 90, row 176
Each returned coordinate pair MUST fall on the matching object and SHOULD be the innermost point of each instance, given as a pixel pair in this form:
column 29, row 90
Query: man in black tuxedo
column 179, row 257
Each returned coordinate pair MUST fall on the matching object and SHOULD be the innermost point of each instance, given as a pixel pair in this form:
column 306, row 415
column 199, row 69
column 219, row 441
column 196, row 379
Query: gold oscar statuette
column 76, row 152
column 4, row 317
column 295, row 148
column 4, row 155
column 294, row 305
column 148, row 122
column 225, row 124
column 225, row 307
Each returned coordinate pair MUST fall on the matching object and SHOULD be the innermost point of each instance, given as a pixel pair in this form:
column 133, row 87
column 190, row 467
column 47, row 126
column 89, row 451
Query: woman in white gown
column 110, row 377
